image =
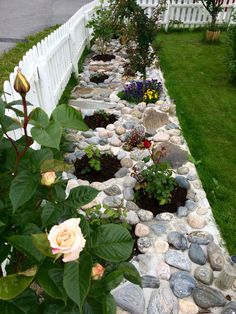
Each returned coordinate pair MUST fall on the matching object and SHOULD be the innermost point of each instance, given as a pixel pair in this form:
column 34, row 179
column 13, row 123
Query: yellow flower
column 21, row 85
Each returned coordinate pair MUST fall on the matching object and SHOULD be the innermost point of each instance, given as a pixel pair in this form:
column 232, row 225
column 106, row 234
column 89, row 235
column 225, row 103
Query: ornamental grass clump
column 136, row 92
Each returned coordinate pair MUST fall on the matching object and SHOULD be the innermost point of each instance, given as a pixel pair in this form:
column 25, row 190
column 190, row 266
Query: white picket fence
column 189, row 13
column 49, row 64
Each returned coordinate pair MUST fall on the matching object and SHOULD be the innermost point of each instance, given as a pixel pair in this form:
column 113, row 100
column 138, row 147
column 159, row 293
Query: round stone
column 182, row 284
column 178, row 240
column 114, row 141
column 120, row 130
column 103, row 133
column 161, row 137
column 162, row 301
column 186, row 307
column 144, row 244
column 215, row 256
column 202, row 211
column 177, row 259
column 183, row 170
column 190, row 205
column 128, row 194
column 182, row 211
column 229, row 308
column 121, row 173
column 163, row 271
column 196, row 221
column 141, row 230
column 122, row 154
column 150, row 282
column 164, row 216
column 182, row 182
column 206, row 297
column 204, row 274
column 113, row 190
column 110, row 127
column 131, row 218
column 161, row 246
column 200, row 237
column 129, row 182
column 145, row 215
column 113, row 201
column 196, row 254
column 176, row 140
column 126, row 162
column 132, row 206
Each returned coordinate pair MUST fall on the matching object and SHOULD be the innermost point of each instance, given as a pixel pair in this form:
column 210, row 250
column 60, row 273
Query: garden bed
column 109, row 166
column 100, row 120
column 103, row 57
column 98, row 78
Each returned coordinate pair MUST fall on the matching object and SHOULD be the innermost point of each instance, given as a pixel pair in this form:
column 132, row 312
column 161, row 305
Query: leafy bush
column 134, row 92
column 56, row 260
column 231, row 52
column 93, row 154
column 157, row 182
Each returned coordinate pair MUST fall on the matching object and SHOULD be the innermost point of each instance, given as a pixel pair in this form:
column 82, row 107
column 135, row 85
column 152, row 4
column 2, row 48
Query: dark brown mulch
column 98, row 78
column 109, row 166
column 97, row 120
column 178, row 199
column 104, row 57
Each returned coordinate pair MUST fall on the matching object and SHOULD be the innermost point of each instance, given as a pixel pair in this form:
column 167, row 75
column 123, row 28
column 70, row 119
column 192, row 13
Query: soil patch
column 99, row 120
column 178, row 199
column 105, row 57
column 109, row 166
column 98, row 78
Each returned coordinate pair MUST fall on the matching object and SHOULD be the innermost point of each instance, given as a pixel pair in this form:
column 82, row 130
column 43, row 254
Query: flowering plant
column 135, row 92
column 51, row 272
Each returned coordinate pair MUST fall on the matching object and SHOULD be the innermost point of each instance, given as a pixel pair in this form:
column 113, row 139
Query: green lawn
column 11, row 58
column 198, row 81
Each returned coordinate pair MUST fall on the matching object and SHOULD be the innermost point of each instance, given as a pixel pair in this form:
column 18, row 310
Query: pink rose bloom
column 67, row 239
column 97, row 271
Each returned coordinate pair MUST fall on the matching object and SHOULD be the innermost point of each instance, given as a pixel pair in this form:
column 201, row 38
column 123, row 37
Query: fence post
column 72, row 43
column 46, row 87
column 167, row 16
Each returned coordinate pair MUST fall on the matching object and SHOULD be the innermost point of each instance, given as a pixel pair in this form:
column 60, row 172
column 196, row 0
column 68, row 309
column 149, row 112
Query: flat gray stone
column 130, row 298
column 200, row 237
column 215, row 256
column 122, row 154
column 174, row 154
column 229, row 308
column 88, row 134
column 162, row 301
column 182, row 211
column 150, row 282
column 178, row 240
column 126, row 162
column 159, row 228
column 207, row 297
column 190, row 205
column 122, row 172
column 93, row 140
column 113, row 201
column 177, row 259
column 128, row 194
column 143, row 244
column 182, row 284
column 204, row 274
column 153, row 120
column 139, row 154
column 129, row 182
column 132, row 206
column 196, row 254
column 145, row 215
column 113, row 190
column 182, row 182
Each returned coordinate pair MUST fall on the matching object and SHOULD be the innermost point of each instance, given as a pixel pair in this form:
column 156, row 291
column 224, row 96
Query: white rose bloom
column 67, row 239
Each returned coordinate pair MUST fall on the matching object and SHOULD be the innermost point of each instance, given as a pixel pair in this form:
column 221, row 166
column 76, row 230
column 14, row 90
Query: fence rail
column 49, row 64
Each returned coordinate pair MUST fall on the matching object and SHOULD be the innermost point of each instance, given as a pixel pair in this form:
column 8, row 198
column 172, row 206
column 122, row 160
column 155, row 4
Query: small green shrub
column 93, row 155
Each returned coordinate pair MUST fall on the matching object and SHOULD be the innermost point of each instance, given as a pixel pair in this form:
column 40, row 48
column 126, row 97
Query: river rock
column 113, row 190
column 204, row 274
column 174, row 154
column 153, row 119
column 200, row 237
column 196, row 221
column 93, row 140
column 196, row 254
column 88, row 134
column 182, row 211
column 136, row 113
column 130, row 124
column 182, row 182
column 120, row 130
column 191, row 205
column 122, row 154
column 114, row 141
column 129, row 182
column 143, row 244
column 131, row 218
column 150, row 282
column 128, row 194
column 182, row 284
column 141, row 230
column 163, row 271
column 161, row 246
column 130, row 298
column 183, row 170
column 162, row 301
column 186, row 307
column 126, row 162
column 145, row 215
column 206, row 297
column 178, row 240
column 159, row 228
column 161, row 137
column 171, row 126
column 177, row 259
column 138, row 154
column 112, row 201
column 122, row 172
column 215, row 256
column 132, row 206
column 229, row 308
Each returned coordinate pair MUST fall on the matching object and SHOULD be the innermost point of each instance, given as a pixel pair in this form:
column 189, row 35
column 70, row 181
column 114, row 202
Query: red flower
column 147, row 143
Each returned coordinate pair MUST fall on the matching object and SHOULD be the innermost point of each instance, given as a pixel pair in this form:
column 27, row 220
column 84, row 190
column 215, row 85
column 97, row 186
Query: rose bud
column 48, row 178
column 97, row 271
column 67, row 239
column 147, row 143
column 21, row 85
